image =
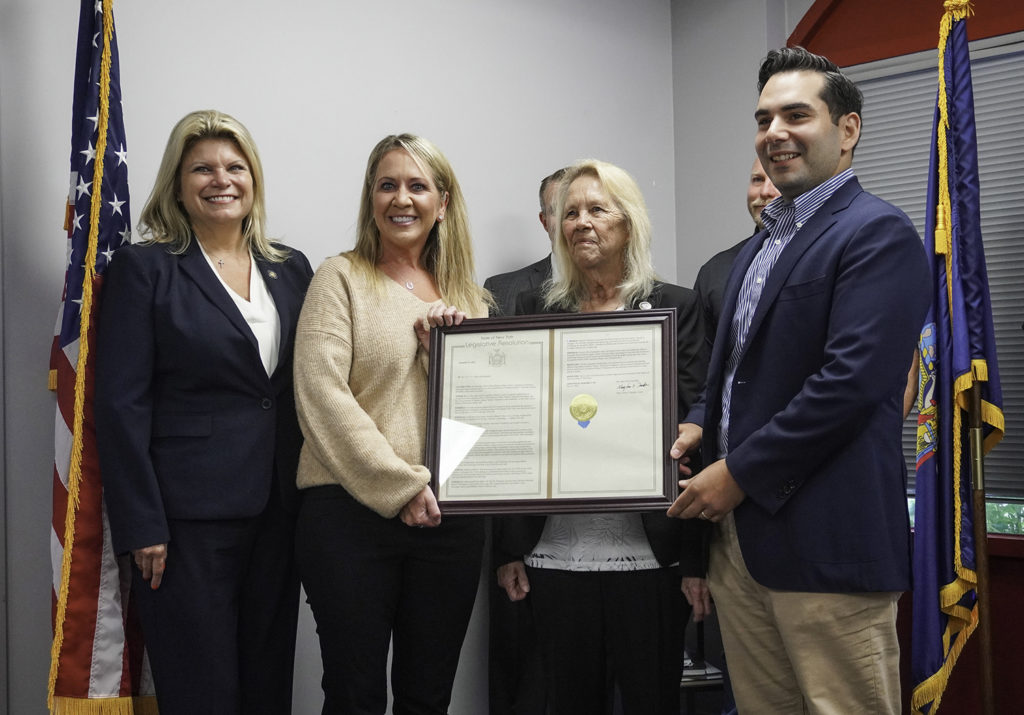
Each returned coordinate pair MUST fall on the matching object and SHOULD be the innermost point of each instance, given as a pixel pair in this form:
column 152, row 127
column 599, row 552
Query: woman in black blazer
column 606, row 587
column 195, row 421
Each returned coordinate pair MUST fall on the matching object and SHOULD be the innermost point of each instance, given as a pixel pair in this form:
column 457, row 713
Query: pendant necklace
column 407, row 283
column 398, row 279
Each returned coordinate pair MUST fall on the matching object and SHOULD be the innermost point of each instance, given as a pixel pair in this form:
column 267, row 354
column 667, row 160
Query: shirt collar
column 804, row 205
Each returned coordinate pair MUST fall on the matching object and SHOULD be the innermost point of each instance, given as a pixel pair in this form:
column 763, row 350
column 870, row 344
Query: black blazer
column 506, row 287
column 710, row 287
column 188, row 424
column 671, row 540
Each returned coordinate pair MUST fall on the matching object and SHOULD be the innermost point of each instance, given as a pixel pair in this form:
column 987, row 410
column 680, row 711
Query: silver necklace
column 407, row 283
column 218, row 259
column 398, row 279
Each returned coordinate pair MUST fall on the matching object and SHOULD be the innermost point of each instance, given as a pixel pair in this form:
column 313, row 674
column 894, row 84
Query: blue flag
column 957, row 352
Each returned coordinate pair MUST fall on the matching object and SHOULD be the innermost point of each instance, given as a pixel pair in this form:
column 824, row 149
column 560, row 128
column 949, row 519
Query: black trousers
column 220, row 630
column 602, row 628
column 515, row 672
column 370, row 580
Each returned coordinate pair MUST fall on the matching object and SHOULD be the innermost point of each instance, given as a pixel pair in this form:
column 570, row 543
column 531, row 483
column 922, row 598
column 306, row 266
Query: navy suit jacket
column 188, row 423
column 816, row 408
column 670, row 539
column 507, row 286
column 710, row 287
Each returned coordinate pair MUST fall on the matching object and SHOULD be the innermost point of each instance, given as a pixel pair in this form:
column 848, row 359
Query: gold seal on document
column 583, row 408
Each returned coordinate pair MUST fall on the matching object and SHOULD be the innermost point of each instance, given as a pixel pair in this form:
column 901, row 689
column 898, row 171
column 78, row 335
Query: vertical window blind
column 892, row 162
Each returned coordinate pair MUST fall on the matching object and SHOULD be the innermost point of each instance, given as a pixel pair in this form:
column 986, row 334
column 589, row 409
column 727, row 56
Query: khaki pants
column 793, row 652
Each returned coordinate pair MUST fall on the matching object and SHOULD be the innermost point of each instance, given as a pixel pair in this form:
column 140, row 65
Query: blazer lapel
column 822, row 220
column 288, row 307
column 541, row 271
column 194, row 265
column 723, row 338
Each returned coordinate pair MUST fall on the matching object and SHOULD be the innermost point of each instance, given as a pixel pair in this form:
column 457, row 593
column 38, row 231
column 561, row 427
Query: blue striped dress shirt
column 782, row 220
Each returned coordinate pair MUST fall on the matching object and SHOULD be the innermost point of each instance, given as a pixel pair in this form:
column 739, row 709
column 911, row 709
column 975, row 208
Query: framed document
column 554, row 413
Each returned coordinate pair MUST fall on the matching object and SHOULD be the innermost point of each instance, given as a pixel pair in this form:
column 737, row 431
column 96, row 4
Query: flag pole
column 981, row 551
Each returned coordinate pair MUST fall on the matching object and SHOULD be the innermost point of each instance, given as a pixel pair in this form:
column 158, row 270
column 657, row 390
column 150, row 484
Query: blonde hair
column 448, row 254
column 164, row 219
column 566, row 289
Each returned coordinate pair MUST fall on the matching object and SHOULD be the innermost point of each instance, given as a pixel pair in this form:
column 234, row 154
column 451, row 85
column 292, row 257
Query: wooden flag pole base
column 981, row 552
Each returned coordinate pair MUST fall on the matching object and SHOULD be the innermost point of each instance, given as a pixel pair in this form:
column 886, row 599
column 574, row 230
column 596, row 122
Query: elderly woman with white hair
column 606, row 588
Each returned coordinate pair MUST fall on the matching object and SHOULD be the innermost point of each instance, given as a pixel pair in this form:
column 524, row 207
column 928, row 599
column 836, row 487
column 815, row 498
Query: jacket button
column 266, row 403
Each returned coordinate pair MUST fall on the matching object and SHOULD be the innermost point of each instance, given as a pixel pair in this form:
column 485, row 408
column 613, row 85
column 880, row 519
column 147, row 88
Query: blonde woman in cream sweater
column 375, row 556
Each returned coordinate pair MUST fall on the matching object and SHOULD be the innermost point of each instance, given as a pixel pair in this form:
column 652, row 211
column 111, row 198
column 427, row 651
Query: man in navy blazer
column 800, row 421
column 505, row 287
column 515, row 677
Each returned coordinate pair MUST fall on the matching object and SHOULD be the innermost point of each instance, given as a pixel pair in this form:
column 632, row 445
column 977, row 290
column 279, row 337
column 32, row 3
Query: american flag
column 97, row 658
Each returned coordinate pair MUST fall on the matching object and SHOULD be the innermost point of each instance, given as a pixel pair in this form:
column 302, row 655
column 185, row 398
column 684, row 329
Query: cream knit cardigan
column 361, row 387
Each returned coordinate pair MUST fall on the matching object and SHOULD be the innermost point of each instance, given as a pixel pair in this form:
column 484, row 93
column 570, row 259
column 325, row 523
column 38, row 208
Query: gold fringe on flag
column 75, row 467
column 145, row 705
column 929, row 692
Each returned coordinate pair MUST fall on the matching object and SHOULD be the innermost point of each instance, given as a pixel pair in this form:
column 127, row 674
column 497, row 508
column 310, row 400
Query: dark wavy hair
column 839, row 93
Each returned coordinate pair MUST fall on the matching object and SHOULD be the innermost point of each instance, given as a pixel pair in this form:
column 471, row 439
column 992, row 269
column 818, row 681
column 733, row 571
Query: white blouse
column 259, row 312
column 593, row 542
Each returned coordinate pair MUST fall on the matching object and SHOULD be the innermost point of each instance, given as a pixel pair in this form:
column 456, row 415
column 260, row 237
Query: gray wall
column 716, row 50
column 509, row 92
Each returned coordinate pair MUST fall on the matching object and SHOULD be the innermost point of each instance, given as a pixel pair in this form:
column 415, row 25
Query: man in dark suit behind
column 709, row 286
column 506, row 286
column 516, row 682
column 800, row 421
column 711, row 277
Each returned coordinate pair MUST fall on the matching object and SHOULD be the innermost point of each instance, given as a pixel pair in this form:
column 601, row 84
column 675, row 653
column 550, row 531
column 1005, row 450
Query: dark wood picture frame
column 662, row 320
